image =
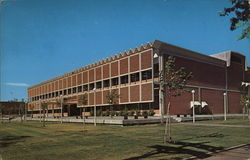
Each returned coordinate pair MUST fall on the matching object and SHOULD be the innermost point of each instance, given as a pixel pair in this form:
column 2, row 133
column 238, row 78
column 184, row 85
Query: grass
column 68, row 141
column 229, row 122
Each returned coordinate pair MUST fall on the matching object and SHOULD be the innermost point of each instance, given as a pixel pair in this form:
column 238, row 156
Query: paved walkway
column 218, row 125
column 240, row 153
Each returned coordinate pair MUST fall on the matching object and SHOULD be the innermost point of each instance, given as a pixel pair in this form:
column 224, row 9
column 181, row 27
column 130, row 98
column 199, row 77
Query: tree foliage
column 113, row 97
column 172, row 82
column 241, row 15
column 83, row 99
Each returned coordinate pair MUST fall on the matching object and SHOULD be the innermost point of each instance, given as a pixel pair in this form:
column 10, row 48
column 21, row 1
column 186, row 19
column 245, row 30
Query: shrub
column 112, row 113
column 145, row 113
column 98, row 113
column 138, row 113
column 131, row 113
column 117, row 113
column 107, row 113
column 91, row 113
column 151, row 112
column 121, row 113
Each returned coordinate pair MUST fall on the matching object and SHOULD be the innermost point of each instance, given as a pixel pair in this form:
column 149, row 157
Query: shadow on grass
column 9, row 140
column 178, row 148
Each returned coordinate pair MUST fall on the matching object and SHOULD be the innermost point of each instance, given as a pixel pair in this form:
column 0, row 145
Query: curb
column 218, row 151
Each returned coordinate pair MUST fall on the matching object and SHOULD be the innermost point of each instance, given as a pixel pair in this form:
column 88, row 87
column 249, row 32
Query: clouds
column 17, row 84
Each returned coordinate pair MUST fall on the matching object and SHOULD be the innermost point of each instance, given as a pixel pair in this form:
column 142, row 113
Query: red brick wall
column 64, row 83
column 91, row 99
column 79, row 78
column 134, row 93
column 69, row 82
column 181, row 104
column 124, row 66
column 114, row 69
column 60, row 83
column 105, row 93
column 98, row 73
column 124, row 95
column 85, row 77
column 98, row 97
column 134, row 63
column 235, row 76
column 91, row 75
column 146, row 60
column 106, row 71
column 214, row 99
column 234, row 103
column 74, row 80
column 203, row 74
column 56, row 85
column 146, row 90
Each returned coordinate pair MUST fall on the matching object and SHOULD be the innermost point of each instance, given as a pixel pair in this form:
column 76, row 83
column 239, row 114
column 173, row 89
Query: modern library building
column 216, row 79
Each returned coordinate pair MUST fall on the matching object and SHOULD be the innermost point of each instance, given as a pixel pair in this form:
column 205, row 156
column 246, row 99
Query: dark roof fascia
column 165, row 48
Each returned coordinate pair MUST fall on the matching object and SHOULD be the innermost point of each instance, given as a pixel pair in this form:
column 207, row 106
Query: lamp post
column 40, row 109
column 193, row 91
column 247, row 104
column 94, row 107
column 225, row 106
column 61, row 107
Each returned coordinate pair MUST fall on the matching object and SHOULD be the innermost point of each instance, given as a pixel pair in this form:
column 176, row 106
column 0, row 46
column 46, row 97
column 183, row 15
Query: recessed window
column 56, row 94
column 91, row 86
column 79, row 88
column 69, row 91
column 106, row 83
column 124, row 79
column 85, row 87
column 65, row 92
column 146, row 74
column 134, row 77
column 74, row 90
column 114, row 81
column 98, row 85
column 61, row 92
column 53, row 94
column 156, row 70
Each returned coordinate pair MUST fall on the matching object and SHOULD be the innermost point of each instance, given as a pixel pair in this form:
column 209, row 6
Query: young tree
column 1, row 109
column 245, row 102
column 83, row 100
column 21, row 109
column 31, row 107
column 241, row 10
column 44, row 106
column 112, row 99
column 173, row 83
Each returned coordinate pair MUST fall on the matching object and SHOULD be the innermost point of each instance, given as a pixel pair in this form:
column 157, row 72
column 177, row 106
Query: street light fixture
column 225, row 106
column 94, row 89
column 61, row 107
column 193, row 91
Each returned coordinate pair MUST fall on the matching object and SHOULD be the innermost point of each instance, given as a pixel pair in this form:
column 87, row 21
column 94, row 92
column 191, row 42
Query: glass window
column 134, row 77
column 114, row 81
column 99, row 84
column 106, row 83
column 146, row 74
column 124, row 79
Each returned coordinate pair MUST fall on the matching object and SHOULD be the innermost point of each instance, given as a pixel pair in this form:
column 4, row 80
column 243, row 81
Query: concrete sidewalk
column 239, row 153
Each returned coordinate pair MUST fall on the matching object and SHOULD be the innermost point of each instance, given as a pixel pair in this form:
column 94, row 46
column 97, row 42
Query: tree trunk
column 167, row 134
column 43, row 117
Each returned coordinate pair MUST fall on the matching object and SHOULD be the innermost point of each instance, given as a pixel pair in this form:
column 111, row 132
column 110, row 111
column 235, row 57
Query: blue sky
column 41, row 39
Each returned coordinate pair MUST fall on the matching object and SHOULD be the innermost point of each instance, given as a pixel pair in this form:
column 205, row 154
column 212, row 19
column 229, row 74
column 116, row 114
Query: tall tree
column 241, row 15
column 112, row 98
column 173, row 82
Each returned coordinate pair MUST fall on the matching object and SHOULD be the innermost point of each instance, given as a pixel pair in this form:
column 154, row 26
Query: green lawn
column 228, row 121
column 67, row 141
